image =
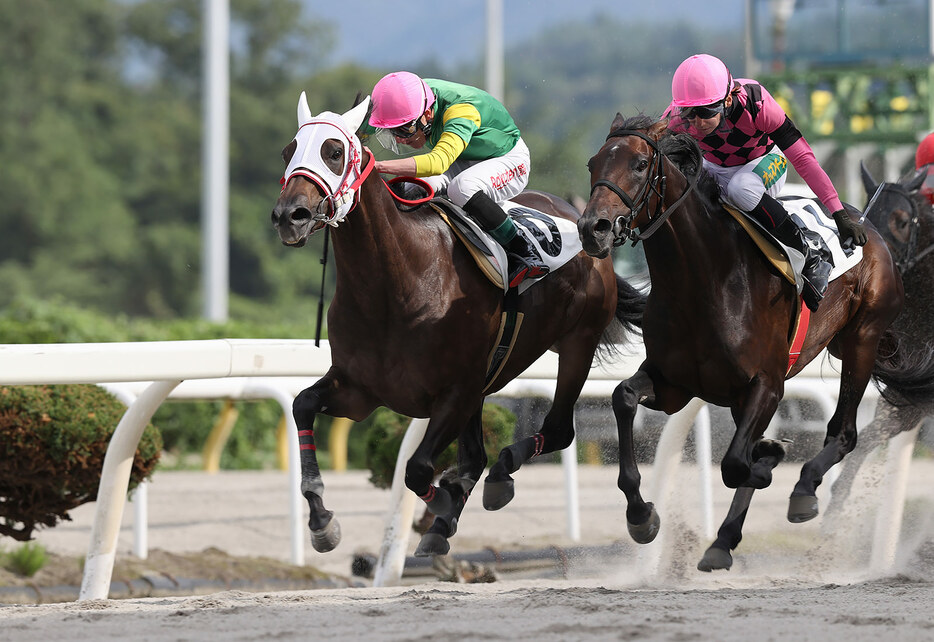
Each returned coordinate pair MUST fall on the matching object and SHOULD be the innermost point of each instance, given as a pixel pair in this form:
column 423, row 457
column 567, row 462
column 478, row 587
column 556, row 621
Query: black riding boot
column 524, row 261
column 816, row 271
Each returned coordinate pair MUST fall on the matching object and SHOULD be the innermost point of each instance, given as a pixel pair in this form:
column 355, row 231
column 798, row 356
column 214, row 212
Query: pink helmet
column 700, row 80
column 399, row 98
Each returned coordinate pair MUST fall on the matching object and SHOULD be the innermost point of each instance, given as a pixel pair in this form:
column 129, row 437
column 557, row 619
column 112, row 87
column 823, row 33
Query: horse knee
column 305, row 406
column 625, row 398
column 418, row 476
column 734, row 470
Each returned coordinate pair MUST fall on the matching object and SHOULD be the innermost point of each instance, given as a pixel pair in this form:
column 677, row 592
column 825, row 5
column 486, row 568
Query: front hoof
column 432, row 544
column 802, row 508
column 327, row 538
column 497, row 494
column 438, row 501
column 715, row 559
column 645, row 532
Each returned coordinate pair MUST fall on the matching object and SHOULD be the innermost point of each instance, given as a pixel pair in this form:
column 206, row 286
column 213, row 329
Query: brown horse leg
column 856, row 364
column 752, row 417
column 325, row 530
column 641, row 517
column 557, row 430
column 766, row 455
column 458, row 482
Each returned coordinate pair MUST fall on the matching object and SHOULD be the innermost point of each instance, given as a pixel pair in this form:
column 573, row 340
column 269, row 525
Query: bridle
column 623, row 229
column 906, row 254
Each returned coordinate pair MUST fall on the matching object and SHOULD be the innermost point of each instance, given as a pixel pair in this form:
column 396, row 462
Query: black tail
column 630, row 303
column 905, row 377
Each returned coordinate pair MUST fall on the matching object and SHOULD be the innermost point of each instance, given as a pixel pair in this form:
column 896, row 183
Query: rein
column 909, row 256
column 622, row 226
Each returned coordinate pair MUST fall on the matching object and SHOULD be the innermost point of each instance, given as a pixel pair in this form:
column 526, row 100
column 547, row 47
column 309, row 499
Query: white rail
column 248, row 368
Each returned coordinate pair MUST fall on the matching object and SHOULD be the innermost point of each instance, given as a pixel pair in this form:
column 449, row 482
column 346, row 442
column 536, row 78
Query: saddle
column 555, row 239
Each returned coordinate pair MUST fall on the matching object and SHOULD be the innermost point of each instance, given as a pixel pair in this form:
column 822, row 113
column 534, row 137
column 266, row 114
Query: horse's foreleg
column 458, row 483
column 856, row 364
column 752, row 417
column 766, row 455
column 325, row 529
column 641, row 517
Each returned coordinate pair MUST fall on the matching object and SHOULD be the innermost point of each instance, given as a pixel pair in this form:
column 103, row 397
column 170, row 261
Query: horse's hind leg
column 856, row 366
column 556, row 434
column 458, row 482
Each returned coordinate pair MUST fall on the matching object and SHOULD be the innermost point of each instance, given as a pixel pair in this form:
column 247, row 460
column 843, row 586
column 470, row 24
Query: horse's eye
column 642, row 165
column 337, row 153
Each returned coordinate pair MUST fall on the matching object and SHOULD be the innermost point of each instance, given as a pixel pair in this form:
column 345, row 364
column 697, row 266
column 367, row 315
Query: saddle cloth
column 806, row 214
column 556, row 240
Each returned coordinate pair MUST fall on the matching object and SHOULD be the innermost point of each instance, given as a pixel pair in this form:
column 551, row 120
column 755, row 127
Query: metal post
column 215, row 172
column 494, row 48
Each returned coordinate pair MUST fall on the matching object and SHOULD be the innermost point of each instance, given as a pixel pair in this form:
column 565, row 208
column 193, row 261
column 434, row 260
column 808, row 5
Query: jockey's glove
column 851, row 232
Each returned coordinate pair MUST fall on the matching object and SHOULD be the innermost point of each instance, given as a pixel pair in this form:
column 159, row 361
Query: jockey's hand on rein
column 851, row 232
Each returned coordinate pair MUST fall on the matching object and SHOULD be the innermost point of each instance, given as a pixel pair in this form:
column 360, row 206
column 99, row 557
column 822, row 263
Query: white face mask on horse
column 340, row 189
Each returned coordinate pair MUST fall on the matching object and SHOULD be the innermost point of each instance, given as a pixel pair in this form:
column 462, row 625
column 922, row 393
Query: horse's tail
column 630, row 304
column 904, row 377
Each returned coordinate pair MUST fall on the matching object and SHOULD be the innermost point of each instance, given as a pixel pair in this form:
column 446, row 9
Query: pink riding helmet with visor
column 398, row 99
column 700, row 81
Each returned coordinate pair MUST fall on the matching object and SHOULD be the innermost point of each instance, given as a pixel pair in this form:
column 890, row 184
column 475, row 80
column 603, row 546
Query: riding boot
column 816, row 271
column 524, row 261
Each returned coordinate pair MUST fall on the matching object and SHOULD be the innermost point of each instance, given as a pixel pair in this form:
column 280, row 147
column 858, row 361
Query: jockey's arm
column 801, row 156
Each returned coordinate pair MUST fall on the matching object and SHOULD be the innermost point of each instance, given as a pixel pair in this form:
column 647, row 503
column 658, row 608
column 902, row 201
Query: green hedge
column 52, row 445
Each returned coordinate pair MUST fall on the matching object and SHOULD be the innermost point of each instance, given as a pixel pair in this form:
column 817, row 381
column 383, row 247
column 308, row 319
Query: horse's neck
column 683, row 249
column 375, row 243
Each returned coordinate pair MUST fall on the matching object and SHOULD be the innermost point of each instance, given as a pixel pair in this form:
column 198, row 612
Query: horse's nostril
column 602, row 226
column 300, row 215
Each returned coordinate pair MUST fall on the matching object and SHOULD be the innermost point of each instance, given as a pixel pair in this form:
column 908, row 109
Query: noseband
column 906, row 253
column 623, row 229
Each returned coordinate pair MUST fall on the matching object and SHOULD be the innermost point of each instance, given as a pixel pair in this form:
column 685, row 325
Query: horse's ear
column 617, row 122
column 355, row 117
column 869, row 184
column 914, row 183
column 304, row 112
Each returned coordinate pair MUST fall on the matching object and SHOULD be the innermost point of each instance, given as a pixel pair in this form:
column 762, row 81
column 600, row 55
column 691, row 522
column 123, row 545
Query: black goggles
column 405, row 131
column 704, row 111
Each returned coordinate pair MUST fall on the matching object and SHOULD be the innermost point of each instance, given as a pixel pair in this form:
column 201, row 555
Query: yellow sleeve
column 439, row 159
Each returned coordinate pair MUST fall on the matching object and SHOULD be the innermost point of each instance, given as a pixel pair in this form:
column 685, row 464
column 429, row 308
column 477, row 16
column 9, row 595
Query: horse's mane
column 682, row 150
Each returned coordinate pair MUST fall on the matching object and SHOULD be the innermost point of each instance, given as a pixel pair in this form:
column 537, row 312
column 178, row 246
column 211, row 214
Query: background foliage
column 100, row 140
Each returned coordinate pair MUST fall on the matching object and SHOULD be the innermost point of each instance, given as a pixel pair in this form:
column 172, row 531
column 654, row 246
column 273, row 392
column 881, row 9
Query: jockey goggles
column 405, row 131
column 702, row 111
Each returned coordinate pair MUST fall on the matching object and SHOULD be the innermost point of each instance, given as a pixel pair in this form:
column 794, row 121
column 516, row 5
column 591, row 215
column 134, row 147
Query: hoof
column 801, row 508
column 645, row 532
column 440, row 502
column 497, row 494
column 432, row 544
column 715, row 559
column 327, row 538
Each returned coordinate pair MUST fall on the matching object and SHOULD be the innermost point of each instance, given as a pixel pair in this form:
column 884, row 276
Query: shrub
column 27, row 560
column 387, row 428
column 52, row 445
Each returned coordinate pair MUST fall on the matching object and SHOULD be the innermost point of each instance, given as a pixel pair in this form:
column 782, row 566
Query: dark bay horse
column 905, row 219
column 413, row 321
column 718, row 321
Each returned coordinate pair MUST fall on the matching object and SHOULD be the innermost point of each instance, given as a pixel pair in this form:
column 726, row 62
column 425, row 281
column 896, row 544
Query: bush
column 27, row 560
column 52, row 445
column 387, row 428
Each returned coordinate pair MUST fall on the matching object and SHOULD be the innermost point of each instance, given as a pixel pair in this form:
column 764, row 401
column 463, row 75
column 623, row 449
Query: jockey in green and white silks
column 474, row 153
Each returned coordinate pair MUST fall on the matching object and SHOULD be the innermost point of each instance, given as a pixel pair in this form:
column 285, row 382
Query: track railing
column 145, row 374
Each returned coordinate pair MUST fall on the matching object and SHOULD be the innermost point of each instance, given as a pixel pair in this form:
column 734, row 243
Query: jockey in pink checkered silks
column 475, row 153
column 747, row 140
